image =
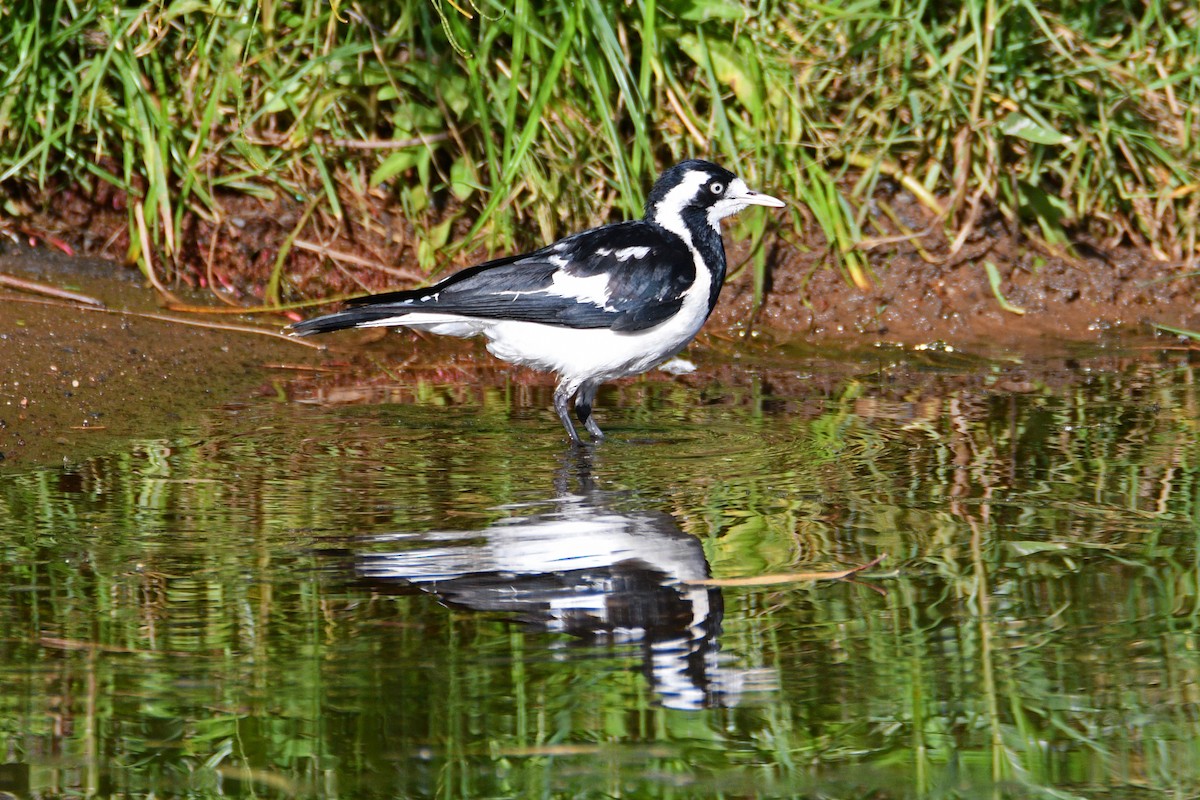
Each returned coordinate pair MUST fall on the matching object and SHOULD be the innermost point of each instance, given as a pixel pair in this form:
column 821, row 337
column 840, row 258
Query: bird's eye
column 717, row 188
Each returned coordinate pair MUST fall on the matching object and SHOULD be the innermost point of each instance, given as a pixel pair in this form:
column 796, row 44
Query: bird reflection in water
column 584, row 564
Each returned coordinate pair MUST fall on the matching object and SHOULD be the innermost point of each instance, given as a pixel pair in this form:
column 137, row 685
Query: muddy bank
column 921, row 290
column 74, row 380
column 912, row 301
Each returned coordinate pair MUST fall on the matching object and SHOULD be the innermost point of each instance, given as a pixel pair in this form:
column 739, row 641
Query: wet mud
column 72, row 379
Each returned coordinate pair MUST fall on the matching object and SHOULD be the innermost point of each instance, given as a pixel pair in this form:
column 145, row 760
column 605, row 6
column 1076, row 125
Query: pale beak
column 753, row 198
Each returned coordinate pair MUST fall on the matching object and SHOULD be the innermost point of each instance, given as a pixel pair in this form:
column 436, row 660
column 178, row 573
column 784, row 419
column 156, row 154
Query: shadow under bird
column 606, row 303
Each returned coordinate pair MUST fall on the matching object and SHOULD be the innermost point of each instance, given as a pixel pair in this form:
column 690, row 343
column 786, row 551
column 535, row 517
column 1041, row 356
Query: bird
column 606, row 303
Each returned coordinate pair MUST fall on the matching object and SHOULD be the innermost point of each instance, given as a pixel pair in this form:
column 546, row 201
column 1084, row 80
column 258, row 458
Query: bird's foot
column 562, row 406
column 593, row 429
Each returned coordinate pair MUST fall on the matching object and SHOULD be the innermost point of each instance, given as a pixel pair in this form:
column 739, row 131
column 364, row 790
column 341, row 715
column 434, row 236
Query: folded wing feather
column 625, row 277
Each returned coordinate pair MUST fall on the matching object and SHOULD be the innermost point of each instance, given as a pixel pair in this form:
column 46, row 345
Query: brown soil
column 914, row 301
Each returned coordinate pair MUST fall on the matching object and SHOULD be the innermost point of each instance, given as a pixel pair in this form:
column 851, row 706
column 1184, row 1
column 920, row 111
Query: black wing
column 627, row 277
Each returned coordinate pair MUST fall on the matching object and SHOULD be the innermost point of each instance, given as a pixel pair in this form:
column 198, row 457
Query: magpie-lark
column 602, row 304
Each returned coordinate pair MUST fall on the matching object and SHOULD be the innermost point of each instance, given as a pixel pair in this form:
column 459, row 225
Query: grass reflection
column 183, row 617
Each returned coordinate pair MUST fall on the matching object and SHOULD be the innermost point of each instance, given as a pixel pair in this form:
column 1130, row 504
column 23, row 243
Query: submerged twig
column 303, row 367
column 787, row 577
column 50, row 291
column 165, row 318
column 61, row 643
column 193, row 309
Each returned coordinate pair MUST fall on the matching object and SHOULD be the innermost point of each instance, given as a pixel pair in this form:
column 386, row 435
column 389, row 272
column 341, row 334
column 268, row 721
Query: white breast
column 579, row 354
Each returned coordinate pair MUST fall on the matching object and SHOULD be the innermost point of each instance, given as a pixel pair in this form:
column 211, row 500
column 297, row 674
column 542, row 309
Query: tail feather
column 364, row 316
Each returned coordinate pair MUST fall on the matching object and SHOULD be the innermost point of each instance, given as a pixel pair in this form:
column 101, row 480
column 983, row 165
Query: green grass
column 1064, row 117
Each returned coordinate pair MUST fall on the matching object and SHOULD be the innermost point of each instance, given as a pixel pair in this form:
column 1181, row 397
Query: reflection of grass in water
column 1036, row 630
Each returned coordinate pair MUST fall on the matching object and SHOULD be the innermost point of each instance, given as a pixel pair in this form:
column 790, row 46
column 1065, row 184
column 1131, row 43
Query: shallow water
column 434, row 597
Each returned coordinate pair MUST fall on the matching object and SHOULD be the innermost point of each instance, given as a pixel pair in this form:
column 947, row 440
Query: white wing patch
column 592, row 289
column 626, row 253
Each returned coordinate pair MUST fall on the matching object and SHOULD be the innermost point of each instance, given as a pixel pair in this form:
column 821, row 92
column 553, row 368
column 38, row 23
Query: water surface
column 426, row 594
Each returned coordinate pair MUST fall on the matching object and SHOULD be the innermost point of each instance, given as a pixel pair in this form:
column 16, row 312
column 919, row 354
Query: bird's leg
column 562, row 404
column 583, row 408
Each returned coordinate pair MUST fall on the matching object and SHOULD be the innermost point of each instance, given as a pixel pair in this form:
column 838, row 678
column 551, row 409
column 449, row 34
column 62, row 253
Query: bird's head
column 694, row 189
